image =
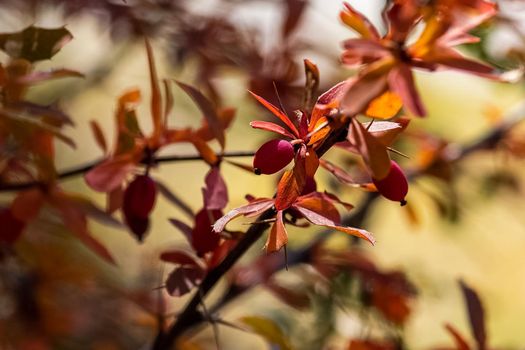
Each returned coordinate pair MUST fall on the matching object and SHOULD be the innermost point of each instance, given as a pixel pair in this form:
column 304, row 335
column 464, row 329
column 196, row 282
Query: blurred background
column 469, row 225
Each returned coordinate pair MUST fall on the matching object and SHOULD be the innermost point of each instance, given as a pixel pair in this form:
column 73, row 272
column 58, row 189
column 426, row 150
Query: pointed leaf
column 156, row 99
column 318, row 219
column 401, row 81
column 180, row 257
column 374, row 153
column 110, row 174
column 269, row 126
column 99, row 135
column 461, row 343
column 355, row 20
column 290, row 187
column 277, row 112
column 40, row 76
column 278, row 236
column 207, row 154
column 257, row 206
column 208, row 110
column 311, row 84
column 215, row 192
column 476, row 315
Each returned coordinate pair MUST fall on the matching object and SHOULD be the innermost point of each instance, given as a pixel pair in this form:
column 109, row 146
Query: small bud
column 273, row 156
column 11, row 227
column 395, row 185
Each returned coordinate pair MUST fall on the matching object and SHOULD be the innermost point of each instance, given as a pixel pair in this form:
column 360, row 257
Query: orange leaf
column 277, row 112
column 290, row 187
column 355, row 20
column 205, row 151
column 385, row 106
column 278, row 236
column 374, row 153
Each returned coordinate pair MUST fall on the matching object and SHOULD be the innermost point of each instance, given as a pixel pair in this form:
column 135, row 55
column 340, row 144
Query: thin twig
column 87, row 167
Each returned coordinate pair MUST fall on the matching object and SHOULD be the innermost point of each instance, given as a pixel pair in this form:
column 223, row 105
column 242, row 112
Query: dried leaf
column 311, row 84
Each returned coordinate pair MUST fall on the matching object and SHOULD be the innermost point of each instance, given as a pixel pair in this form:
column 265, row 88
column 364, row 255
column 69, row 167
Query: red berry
column 11, row 227
column 394, row 186
column 273, row 156
column 138, row 226
column 139, row 197
column 203, row 238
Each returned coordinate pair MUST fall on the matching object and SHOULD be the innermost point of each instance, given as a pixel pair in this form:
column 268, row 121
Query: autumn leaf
column 278, row 236
column 267, row 329
column 35, row 43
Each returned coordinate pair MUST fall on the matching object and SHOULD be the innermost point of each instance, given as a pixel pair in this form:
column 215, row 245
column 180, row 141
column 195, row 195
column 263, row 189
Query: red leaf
column 12, row 227
column 221, row 252
column 207, row 108
column 99, row 135
column 179, row 257
column 40, row 76
column 278, row 236
column 318, row 219
column 27, row 204
column 215, row 193
column 401, row 81
column 269, row 126
column 461, row 343
column 314, row 202
column 278, row 113
column 110, row 174
column 75, row 220
column 183, row 279
column 203, row 238
column 476, row 315
column 374, row 153
column 255, row 207
column 339, row 173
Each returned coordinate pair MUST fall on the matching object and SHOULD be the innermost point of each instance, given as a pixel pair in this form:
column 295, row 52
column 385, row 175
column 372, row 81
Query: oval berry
column 11, row 227
column 139, row 197
column 203, row 238
column 138, row 226
column 273, row 156
column 395, row 185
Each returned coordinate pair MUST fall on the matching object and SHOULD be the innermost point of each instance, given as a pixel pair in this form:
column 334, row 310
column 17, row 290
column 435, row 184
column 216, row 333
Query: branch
column 356, row 218
column 86, row 167
column 191, row 316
